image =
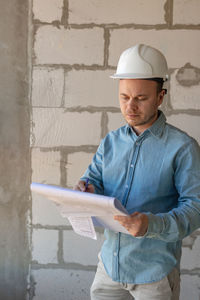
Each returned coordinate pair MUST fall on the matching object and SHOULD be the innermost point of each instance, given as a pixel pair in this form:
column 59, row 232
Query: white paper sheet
column 79, row 207
column 83, row 226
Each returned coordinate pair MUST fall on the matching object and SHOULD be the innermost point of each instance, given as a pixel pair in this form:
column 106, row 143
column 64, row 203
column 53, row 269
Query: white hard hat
column 141, row 62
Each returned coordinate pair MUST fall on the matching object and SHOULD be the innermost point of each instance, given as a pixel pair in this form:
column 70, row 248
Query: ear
column 161, row 97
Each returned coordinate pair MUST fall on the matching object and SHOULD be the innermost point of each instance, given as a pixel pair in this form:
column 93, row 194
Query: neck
column 141, row 128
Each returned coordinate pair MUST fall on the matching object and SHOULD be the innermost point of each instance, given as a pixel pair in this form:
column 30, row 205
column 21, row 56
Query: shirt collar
column 156, row 129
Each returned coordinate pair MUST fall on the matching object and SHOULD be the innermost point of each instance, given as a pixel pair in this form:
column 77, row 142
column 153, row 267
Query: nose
column 132, row 104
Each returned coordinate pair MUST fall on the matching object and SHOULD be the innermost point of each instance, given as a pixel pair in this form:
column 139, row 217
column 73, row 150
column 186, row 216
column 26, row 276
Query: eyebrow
column 140, row 95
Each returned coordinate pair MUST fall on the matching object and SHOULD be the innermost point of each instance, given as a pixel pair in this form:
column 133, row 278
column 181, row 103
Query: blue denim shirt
column 157, row 173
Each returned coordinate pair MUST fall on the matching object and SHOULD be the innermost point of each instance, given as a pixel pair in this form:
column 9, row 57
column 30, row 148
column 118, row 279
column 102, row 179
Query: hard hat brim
column 137, row 76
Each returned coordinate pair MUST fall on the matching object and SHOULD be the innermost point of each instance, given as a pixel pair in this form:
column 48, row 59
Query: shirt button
column 115, row 253
column 131, row 165
column 126, row 186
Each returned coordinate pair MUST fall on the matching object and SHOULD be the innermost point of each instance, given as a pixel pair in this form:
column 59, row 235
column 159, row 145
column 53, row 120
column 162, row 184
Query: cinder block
column 184, row 97
column 69, row 46
column 45, row 246
column 115, row 121
column 77, row 163
column 179, row 46
column 47, row 10
column 109, row 11
column 47, row 87
column 60, row 284
column 55, row 127
column 46, row 213
column 187, row 123
column 190, row 286
column 90, row 88
column 46, row 166
column 186, row 12
column 76, row 248
column 191, row 257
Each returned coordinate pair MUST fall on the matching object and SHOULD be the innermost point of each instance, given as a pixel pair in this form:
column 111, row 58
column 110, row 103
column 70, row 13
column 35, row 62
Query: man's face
column 139, row 102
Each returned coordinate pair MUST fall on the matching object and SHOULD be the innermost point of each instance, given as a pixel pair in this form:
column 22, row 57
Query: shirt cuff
column 155, row 225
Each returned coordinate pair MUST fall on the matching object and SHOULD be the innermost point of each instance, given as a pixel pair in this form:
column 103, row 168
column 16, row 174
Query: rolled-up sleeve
column 185, row 218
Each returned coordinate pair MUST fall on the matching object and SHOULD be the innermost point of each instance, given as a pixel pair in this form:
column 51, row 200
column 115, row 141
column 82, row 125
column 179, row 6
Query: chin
column 132, row 124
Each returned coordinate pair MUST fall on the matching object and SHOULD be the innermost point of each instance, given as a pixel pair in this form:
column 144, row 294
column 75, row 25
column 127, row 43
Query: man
column 153, row 168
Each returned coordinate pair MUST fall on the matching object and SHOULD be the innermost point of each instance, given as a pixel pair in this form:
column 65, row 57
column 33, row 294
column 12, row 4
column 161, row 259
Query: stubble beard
column 143, row 122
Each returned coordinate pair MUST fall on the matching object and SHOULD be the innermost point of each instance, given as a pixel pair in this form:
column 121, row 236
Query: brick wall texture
column 76, row 46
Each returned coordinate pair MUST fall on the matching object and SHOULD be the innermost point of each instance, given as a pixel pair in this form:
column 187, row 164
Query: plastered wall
column 15, row 173
column 76, row 46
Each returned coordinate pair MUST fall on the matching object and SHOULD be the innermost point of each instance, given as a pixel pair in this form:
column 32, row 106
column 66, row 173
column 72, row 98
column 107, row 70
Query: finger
column 76, row 188
column 120, row 218
column 123, row 219
column 90, row 188
column 123, row 223
column 80, row 186
column 136, row 213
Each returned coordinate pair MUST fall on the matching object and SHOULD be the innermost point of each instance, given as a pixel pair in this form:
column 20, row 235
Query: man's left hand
column 136, row 223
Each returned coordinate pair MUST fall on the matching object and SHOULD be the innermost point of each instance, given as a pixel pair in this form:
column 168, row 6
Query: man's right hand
column 80, row 186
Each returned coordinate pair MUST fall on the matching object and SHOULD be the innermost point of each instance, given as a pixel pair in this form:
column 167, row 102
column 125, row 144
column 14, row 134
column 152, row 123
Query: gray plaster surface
column 14, row 149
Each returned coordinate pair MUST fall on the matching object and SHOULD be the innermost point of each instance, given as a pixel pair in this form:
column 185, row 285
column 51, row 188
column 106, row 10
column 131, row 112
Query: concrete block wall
column 76, row 46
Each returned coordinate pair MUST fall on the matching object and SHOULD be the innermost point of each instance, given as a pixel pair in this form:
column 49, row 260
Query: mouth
column 132, row 115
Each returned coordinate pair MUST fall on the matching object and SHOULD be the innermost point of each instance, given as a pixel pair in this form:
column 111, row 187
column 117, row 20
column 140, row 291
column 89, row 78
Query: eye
column 124, row 97
column 142, row 98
